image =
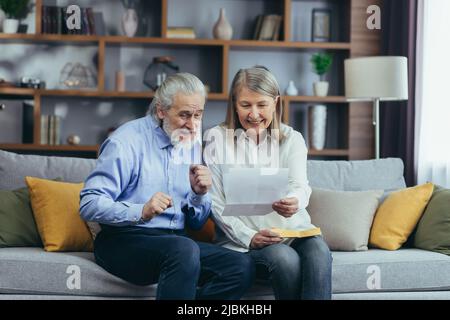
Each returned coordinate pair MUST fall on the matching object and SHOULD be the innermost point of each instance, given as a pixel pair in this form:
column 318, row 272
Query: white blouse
column 239, row 230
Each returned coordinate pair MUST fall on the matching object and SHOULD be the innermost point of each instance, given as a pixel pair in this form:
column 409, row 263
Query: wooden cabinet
column 91, row 112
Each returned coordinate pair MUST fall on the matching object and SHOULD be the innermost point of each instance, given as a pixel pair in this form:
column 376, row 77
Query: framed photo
column 321, row 25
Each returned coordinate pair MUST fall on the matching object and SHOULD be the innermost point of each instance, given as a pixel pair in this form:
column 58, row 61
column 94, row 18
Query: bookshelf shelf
column 23, row 92
column 329, row 152
column 18, row 146
column 114, row 52
column 173, row 41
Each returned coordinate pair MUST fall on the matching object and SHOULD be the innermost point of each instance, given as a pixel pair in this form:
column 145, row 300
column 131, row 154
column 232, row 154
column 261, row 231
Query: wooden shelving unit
column 39, row 147
column 360, row 42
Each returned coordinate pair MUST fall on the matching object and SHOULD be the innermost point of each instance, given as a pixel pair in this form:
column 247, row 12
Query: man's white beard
column 175, row 136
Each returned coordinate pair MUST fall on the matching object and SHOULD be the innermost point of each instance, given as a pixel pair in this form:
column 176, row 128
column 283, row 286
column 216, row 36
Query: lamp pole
column 376, row 123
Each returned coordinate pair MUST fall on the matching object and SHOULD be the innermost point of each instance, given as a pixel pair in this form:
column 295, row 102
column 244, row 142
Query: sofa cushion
column 344, row 217
column 56, row 207
column 15, row 167
column 433, row 229
column 17, row 225
column 380, row 174
column 35, row 271
column 401, row 270
column 398, row 215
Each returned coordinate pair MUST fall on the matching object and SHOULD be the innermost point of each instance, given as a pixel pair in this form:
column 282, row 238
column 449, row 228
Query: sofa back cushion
column 15, row 167
column 344, row 217
column 386, row 174
column 381, row 174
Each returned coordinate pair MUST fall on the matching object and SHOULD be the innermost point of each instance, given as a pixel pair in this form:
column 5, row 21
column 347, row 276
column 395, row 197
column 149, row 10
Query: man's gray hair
column 184, row 83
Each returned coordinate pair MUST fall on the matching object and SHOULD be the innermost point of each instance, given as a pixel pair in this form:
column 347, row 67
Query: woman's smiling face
column 255, row 111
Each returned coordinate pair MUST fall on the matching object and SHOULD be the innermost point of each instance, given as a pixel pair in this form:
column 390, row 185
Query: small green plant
column 14, row 9
column 321, row 63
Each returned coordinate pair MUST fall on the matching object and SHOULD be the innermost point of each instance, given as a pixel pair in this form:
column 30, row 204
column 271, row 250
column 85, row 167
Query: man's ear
column 159, row 112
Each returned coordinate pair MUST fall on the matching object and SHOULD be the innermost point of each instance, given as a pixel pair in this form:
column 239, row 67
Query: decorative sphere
column 73, row 139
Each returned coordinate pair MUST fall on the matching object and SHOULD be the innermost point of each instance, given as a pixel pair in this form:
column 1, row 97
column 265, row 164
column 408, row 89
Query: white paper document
column 251, row 191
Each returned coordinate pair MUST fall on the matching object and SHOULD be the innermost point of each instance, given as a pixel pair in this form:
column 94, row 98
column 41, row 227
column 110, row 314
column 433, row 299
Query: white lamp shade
column 384, row 78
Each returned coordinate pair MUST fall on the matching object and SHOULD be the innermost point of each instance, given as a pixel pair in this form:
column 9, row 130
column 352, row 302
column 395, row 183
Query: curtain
column 432, row 89
column 398, row 29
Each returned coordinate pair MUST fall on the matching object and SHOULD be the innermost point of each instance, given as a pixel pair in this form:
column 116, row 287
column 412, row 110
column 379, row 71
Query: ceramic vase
column 291, row 90
column 317, row 126
column 222, row 29
column 130, row 22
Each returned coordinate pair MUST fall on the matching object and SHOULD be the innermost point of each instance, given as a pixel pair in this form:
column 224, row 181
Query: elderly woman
column 299, row 268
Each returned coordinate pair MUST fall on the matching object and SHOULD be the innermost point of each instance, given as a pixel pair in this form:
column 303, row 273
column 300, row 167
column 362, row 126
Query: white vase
column 10, row 25
column 321, row 88
column 2, row 17
column 222, row 29
column 317, row 126
column 291, row 90
column 130, row 22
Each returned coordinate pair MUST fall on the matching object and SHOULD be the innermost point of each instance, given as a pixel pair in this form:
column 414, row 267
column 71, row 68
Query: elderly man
column 143, row 196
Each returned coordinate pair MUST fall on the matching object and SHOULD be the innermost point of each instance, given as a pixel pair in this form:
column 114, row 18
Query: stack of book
column 268, row 27
column 50, row 129
column 54, row 21
column 181, row 32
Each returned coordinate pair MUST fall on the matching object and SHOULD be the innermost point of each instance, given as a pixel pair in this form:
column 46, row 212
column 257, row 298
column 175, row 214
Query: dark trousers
column 182, row 267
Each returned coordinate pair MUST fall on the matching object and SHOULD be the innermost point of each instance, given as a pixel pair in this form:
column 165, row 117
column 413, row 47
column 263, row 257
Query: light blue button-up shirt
column 135, row 162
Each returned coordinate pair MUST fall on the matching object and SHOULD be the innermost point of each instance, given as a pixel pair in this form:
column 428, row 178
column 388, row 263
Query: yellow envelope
column 285, row 233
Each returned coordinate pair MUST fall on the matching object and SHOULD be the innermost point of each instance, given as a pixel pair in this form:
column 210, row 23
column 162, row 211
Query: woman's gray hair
column 184, row 83
column 260, row 80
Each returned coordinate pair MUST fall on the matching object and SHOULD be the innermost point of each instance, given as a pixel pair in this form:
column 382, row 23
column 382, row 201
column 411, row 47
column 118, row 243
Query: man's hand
column 264, row 238
column 286, row 207
column 200, row 178
column 156, row 205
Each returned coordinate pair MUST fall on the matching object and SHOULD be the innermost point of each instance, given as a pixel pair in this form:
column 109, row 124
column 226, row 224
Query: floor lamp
column 381, row 78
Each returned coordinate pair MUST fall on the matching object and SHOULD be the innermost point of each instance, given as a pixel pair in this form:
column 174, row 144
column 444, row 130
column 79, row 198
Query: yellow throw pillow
column 56, row 208
column 398, row 215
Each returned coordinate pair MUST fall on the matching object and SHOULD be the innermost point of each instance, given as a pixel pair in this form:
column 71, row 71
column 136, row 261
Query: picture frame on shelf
column 321, row 25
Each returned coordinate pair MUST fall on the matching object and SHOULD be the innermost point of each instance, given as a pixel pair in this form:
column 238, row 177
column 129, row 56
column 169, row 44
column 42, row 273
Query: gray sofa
column 408, row 273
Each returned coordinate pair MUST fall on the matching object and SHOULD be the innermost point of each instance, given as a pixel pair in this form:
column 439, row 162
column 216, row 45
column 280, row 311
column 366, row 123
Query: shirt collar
column 162, row 139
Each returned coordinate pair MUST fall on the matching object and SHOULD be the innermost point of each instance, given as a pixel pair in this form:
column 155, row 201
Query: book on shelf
column 267, row 27
column 54, row 21
column 181, row 32
column 50, row 130
column 27, row 122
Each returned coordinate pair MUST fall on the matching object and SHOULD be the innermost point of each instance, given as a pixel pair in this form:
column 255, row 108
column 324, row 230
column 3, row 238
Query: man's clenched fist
column 200, row 178
column 156, row 205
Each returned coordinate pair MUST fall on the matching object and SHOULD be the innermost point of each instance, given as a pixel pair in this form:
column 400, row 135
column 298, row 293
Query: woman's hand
column 286, row 207
column 264, row 238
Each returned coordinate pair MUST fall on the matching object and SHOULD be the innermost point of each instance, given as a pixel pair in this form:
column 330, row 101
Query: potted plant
column 14, row 10
column 321, row 63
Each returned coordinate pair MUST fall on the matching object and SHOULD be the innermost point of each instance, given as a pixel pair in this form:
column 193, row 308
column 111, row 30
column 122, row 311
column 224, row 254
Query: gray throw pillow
column 345, row 217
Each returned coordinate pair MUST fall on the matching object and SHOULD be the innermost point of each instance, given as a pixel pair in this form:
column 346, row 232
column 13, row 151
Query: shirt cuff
column 198, row 200
column 247, row 236
column 134, row 212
